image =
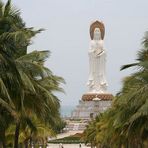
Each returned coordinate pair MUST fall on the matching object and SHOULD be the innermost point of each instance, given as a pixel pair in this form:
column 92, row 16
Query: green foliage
column 59, row 126
column 125, row 124
column 29, row 110
column 77, row 138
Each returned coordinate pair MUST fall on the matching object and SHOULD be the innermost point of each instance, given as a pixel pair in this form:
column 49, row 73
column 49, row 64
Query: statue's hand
column 91, row 50
column 99, row 52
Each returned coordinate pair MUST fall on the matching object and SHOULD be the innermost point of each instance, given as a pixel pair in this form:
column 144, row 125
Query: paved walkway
column 62, row 135
column 67, row 146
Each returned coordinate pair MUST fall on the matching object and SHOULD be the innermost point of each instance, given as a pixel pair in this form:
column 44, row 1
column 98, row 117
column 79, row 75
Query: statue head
column 97, row 34
column 97, row 25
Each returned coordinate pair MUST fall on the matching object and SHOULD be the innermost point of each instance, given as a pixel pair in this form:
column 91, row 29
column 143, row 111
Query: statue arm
column 100, row 50
column 91, row 47
column 101, row 53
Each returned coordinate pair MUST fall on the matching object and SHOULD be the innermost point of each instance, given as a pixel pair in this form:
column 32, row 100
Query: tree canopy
column 29, row 110
column 125, row 124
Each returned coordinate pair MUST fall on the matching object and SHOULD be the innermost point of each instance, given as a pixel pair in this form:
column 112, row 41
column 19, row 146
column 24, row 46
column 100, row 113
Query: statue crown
column 97, row 24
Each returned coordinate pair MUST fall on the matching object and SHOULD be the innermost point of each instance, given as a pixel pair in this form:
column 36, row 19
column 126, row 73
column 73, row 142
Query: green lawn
column 77, row 138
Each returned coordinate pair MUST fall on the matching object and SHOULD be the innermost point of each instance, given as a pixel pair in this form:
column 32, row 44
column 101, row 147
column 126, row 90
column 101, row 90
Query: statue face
column 97, row 34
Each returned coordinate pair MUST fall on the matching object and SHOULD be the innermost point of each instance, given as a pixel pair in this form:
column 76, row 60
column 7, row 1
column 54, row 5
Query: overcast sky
column 67, row 37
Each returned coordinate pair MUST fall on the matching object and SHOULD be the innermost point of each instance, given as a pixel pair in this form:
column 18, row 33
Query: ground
column 67, row 146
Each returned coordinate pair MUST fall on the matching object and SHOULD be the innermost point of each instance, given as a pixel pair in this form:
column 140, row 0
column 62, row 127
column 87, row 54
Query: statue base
column 97, row 96
column 92, row 104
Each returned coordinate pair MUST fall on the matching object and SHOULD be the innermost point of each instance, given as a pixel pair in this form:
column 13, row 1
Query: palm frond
column 4, row 92
column 27, row 82
column 35, row 56
column 7, row 8
column 141, row 112
column 8, row 108
column 1, row 8
column 128, row 66
column 145, row 40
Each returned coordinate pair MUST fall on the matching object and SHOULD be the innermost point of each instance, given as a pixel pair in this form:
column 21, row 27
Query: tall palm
column 140, row 80
column 26, row 86
column 14, row 38
column 38, row 84
column 125, row 123
column 132, row 113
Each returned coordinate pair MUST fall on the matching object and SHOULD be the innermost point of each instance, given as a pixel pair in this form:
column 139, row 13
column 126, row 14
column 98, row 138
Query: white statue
column 97, row 58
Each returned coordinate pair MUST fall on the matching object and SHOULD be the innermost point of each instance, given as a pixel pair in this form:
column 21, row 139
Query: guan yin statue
column 96, row 99
column 97, row 60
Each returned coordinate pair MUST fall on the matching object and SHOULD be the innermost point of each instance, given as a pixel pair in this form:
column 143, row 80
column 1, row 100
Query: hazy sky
column 67, row 37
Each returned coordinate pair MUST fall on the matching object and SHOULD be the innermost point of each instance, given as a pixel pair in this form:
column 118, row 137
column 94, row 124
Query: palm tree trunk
column 1, row 145
column 26, row 143
column 31, row 142
column 2, row 142
column 16, row 138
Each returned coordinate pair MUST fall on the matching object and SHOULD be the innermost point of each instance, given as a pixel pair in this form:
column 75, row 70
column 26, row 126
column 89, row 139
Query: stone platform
column 91, row 105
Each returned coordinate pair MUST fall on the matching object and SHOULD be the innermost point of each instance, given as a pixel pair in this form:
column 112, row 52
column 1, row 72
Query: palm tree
column 26, row 85
column 125, row 123
column 137, row 86
column 91, row 131
column 131, row 112
column 14, row 37
column 39, row 82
